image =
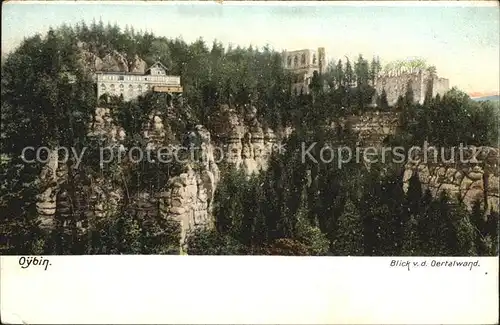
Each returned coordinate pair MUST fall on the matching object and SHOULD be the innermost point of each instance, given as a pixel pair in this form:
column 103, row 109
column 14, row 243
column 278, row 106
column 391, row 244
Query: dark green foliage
column 128, row 233
column 294, row 208
column 451, row 120
column 384, row 105
column 316, row 209
column 349, row 240
column 19, row 232
column 211, row 242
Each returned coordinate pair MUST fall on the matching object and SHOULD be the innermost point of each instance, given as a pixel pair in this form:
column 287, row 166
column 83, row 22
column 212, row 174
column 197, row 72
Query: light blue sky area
column 462, row 41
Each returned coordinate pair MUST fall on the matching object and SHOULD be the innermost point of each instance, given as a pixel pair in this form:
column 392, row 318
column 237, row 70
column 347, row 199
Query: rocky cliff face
column 188, row 197
column 46, row 199
column 373, row 128
column 94, row 196
column 68, row 197
column 137, row 65
column 475, row 179
column 113, row 61
column 105, row 128
column 74, row 199
column 243, row 141
column 154, row 131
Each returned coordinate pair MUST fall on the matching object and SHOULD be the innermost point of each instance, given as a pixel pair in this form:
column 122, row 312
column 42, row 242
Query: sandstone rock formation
column 154, row 132
column 257, row 143
column 207, row 153
column 114, row 62
column 246, row 144
column 104, row 127
column 269, row 146
column 468, row 179
column 138, row 65
column 91, row 61
column 74, row 204
column 103, row 198
column 46, row 199
column 186, row 202
column 188, row 197
column 373, row 127
column 233, row 154
column 92, row 197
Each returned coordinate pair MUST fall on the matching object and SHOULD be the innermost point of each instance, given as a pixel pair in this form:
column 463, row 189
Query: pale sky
column 461, row 39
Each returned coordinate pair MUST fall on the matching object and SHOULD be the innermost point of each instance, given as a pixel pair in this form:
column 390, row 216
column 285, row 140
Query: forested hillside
column 294, row 208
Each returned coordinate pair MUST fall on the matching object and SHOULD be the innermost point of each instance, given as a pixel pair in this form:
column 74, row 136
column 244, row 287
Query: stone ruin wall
column 395, row 85
column 470, row 181
column 440, row 86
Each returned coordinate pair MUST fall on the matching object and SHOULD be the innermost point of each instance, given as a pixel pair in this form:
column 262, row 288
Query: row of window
column 122, row 89
column 302, row 60
column 131, row 92
column 157, row 71
column 133, row 78
column 112, row 86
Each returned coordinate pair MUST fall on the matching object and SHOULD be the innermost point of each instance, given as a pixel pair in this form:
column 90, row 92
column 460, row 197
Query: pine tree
column 308, row 233
column 349, row 239
column 414, row 194
column 339, row 74
column 479, row 227
column 348, row 75
column 375, row 68
column 384, row 105
column 464, row 229
column 491, row 234
column 410, row 239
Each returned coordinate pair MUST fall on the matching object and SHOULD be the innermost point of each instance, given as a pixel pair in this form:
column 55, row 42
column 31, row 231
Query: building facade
column 421, row 82
column 303, row 63
column 131, row 85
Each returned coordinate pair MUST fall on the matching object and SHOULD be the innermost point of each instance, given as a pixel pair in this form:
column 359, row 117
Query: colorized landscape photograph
column 256, row 128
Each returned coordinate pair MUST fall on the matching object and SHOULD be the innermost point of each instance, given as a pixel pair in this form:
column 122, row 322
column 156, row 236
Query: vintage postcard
column 133, row 132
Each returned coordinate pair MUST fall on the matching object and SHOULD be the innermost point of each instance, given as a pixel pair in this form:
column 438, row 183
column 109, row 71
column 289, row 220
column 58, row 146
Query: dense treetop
column 48, row 98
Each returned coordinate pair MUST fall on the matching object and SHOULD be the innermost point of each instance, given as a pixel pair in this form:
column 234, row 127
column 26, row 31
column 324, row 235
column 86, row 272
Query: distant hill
column 495, row 98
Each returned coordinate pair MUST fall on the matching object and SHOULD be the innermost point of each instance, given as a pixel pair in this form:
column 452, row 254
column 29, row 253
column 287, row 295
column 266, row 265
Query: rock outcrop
column 47, row 198
column 155, row 131
column 92, row 197
column 188, row 197
column 104, row 127
column 470, row 179
column 246, row 144
column 372, row 128
column 114, row 62
column 91, row 61
column 137, row 65
column 74, row 203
